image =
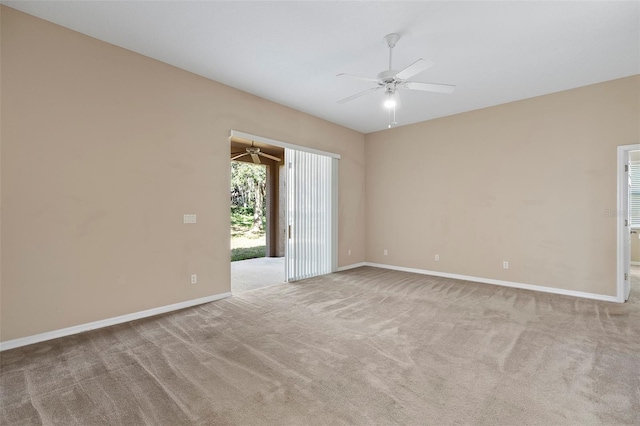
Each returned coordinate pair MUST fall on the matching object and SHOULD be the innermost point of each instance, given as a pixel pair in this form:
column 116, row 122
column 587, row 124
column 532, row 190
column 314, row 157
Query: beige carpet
column 366, row 346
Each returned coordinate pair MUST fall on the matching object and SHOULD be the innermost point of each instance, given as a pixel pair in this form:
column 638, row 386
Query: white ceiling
column 290, row 51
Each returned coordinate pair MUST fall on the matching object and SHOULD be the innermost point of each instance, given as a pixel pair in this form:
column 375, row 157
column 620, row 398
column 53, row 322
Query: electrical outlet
column 189, row 218
column 194, row 279
column 505, row 265
column 386, row 252
column 437, row 257
column 349, row 252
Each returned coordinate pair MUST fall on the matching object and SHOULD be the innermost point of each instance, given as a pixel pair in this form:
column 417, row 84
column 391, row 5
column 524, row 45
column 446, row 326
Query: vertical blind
column 634, row 194
column 309, row 214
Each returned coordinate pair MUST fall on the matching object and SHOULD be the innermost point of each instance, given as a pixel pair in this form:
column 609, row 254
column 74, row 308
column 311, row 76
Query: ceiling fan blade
column 256, row 158
column 357, row 77
column 237, row 155
column 413, row 69
column 357, row 95
column 273, row 157
column 429, row 87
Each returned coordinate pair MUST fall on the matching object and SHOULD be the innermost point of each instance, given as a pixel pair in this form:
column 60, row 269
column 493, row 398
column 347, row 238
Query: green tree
column 248, row 190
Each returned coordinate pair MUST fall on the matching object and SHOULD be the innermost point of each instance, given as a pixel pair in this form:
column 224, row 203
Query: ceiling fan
column 392, row 80
column 255, row 154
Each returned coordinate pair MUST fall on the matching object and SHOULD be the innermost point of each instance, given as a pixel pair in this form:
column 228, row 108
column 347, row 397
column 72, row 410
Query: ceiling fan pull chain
column 392, row 123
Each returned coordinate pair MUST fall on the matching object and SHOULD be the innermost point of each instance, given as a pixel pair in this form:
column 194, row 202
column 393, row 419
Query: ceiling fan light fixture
column 390, row 102
column 390, row 98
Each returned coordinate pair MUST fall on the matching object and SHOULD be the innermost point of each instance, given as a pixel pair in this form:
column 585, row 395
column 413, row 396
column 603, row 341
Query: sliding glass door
column 311, row 214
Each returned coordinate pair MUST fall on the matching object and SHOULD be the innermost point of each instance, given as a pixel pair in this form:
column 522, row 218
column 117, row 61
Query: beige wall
column 527, row 182
column 635, row 247
column 103, row 151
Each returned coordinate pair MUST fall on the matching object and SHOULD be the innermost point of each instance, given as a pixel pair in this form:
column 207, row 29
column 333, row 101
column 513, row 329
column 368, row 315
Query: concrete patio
column 251, row 274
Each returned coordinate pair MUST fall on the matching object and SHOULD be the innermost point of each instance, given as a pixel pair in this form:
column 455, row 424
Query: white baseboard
column 24, row 341
column 635, row 263
column 532, row 287
column 36, row 338
column 352, row 266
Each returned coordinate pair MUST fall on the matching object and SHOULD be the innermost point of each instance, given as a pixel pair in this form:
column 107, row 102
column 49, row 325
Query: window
column 634, row 194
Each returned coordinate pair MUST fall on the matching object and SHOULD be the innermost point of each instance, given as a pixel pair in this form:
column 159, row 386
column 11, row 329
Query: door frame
column 622, row 215
column 334, row 189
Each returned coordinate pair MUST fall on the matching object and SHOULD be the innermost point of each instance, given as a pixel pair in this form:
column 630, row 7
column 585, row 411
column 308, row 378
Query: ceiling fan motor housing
column 387, row 76
column 392, row 39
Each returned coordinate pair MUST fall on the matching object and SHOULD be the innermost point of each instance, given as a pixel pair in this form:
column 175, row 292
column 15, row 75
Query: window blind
column 309, row 214
column 634, row 193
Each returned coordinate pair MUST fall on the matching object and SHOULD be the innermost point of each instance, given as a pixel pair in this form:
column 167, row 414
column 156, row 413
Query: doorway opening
column 628, row 221
column 301, row 209
column 257, row 230
column 634, row 221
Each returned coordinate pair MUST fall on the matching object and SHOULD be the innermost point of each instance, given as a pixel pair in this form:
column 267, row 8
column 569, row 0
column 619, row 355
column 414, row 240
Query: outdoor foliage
column 248, row 221
column 238, row 210
column 241, row 225
column 248, row 191
column 243, row 253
